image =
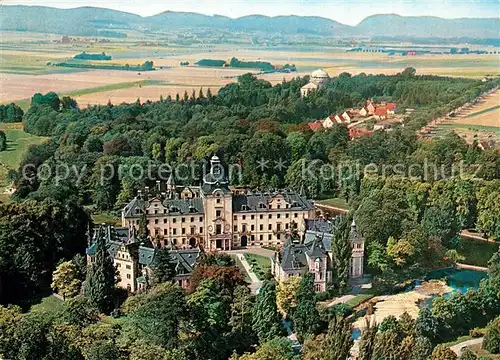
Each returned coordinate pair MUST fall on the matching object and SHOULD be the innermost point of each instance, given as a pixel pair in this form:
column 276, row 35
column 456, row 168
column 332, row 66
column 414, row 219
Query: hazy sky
column 346, row 11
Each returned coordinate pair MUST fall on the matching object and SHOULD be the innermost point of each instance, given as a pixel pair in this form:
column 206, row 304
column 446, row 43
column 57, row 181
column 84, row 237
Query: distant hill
column 428, row 26
column 89, row 21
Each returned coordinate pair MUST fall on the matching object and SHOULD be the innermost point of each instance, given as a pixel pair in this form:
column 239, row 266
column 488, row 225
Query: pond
column 458, row 279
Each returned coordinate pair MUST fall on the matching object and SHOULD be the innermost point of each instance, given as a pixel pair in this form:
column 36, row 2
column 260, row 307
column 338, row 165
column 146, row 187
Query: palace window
column 217, row 213
column 174, row 231
column 192, row 219
column 174, row 220
column 127, row 267
column 252, row 217
column 270, row 216
column 235, row 228
column 165, row 220
column 270, row 227
column 156, row 221
column 261, row 227
column 261, row 216
column 128, row 276
column 218, row 201
column 252, row 227
column 218, row 229
column 235, row 217
column 278, row 216
column 183, row 231
column 201, row 230
column 183, row 219
column 165, row 231
column 269, row 237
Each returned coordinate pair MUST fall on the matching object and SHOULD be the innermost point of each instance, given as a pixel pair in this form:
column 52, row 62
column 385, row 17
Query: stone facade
column 133, row 258
column 314, row 254
column 317, row 79
column 217, row 217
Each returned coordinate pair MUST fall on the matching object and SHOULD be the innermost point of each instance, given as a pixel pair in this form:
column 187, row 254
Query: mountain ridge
column 91, row 21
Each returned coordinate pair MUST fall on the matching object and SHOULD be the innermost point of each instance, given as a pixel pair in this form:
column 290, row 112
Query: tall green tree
column 99, row 286
column 158, row 320
column 339, row 338
column 164, row 267
column 242, row 336
column 306, row 320
column 367, row 340
column 3, row 141
column 341, row 252
column 266, row 320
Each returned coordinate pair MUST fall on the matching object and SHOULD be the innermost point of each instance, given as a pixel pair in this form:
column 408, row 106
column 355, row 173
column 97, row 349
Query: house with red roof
column 329, row 122
column 380, row 113
column 355, row 133
column 391, row 108
column 315, row 125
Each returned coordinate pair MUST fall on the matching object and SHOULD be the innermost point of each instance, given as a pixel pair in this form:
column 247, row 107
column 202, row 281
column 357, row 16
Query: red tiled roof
column 315, row 125
column 355, row 133
column 381, row 111
column 390, row 106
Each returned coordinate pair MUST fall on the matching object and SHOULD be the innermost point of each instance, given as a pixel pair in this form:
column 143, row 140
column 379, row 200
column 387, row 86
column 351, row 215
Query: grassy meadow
column 17, row 143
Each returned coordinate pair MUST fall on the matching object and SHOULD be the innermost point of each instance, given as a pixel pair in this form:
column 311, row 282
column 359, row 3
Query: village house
column 355, row 133
column 329, row 122
column 370, row 106
column 315, row 256
column 364, row 112
column 315, row 125
column 215, row 217
column 380, row 113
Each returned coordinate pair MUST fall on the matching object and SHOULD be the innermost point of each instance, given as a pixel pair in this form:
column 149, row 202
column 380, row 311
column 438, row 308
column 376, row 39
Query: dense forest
column 87, row 56
column 146, row 66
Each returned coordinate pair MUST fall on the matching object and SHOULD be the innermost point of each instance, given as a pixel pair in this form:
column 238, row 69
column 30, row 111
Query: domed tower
column 319, row 77
column 316, row 81
column 218, row 207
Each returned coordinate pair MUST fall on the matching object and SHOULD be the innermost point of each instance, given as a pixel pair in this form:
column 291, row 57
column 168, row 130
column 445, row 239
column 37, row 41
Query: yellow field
column 485, row 113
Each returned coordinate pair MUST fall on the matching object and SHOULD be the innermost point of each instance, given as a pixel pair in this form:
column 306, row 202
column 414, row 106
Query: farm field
column 17, row 143
column 24, row 70
column 480, row 121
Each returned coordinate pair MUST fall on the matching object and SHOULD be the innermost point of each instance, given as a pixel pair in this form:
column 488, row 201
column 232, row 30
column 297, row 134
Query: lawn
column 49, row 304
column 106, row 218
column 261, row 265
column 242, row 268
column 335, row 202
column 476, row 252
column 17, row 143
column 358, row 300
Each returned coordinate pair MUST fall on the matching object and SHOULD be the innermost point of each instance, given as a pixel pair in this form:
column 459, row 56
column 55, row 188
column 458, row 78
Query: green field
column 335, row 202
column 261, row 265
column 476, row 252
column 472, row 127
column 17, row 143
